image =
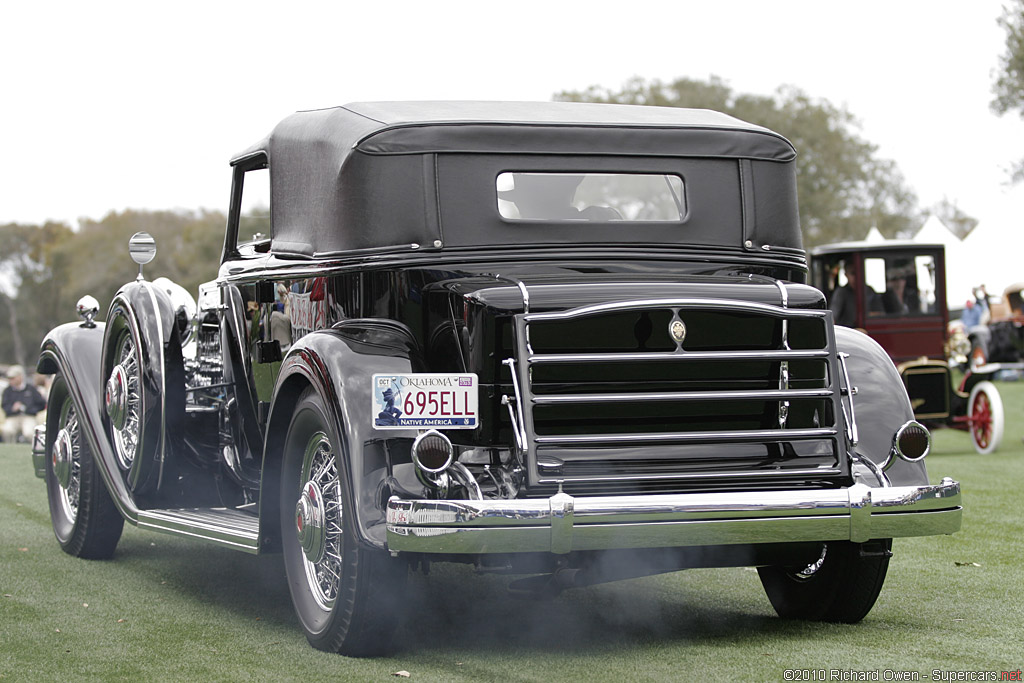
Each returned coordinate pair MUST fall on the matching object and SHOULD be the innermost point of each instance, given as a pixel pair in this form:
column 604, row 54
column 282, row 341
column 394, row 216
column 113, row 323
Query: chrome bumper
column 563, row 524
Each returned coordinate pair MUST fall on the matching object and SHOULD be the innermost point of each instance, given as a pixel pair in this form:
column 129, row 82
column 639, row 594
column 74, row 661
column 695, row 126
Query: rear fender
column 75, row 351
column 340, row 364
column 881, row 406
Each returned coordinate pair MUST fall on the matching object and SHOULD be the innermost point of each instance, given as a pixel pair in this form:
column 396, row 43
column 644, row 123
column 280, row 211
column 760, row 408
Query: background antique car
column 896, row 292
column 562, row 340
column 1001, row 339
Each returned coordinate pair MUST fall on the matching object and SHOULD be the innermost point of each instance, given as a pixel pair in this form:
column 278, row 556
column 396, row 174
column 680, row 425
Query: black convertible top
column 373, row 174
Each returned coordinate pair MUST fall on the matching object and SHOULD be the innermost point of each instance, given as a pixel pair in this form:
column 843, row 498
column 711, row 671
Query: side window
column 899, row 285
column 254, row 214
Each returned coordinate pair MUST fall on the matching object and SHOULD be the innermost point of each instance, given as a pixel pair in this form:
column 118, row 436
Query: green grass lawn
column 171, row 609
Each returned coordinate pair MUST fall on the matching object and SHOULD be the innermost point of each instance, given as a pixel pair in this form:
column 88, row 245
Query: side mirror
column 142, row 249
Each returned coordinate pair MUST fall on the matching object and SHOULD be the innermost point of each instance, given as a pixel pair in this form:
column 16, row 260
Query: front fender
column 75, row 351
column 147, row 313
column 340, row 364
column 881, row 406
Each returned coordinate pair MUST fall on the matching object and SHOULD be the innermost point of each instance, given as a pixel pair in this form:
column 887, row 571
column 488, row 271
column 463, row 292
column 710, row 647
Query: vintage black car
column 568, row 341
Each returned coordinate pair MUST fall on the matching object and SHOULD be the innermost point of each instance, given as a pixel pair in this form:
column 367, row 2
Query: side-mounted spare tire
column 144, row 384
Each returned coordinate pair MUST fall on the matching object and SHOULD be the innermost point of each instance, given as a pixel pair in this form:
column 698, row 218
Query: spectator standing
column 21, row 403
column 974, row 311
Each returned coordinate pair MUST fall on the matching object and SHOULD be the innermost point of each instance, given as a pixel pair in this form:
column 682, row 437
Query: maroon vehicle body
column 906, row 334
column 895, row 291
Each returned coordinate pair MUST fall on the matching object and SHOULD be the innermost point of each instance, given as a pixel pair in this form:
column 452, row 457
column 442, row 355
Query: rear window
column 603, row 197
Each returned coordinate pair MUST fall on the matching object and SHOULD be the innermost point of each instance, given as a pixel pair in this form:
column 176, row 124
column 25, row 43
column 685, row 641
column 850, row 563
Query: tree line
column 843, row 186
column 45, row 269
column 844, row 189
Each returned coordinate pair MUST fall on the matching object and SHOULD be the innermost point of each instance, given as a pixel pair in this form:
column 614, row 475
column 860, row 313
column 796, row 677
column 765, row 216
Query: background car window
column 899, row 285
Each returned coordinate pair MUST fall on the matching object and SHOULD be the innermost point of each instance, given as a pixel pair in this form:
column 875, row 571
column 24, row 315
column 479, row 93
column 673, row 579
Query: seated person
column 901, row 290
column 21, row 403
column 844, row 299
column 549, row 196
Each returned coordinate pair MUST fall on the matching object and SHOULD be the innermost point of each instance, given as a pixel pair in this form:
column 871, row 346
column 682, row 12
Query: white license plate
column 425, row 400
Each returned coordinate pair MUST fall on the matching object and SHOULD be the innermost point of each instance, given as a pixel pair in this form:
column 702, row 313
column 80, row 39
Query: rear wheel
column 85, row 520
column 347, row 596
column 842, row 585
column 985, row 417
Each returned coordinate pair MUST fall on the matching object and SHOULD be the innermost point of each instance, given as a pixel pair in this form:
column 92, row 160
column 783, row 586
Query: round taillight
column 911, row 442
column 432, row 452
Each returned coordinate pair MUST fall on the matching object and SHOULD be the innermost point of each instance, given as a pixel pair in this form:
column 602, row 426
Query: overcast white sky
column 110, row 105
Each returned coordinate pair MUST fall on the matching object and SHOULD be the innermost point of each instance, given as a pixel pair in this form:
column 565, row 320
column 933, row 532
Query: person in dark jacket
column 21, row 403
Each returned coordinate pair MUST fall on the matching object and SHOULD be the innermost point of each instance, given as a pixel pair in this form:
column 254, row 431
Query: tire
column 132, row 409
column 841, row 586
column 85, row 520
column 985, row 417
column 347, row 596
column 978, row 355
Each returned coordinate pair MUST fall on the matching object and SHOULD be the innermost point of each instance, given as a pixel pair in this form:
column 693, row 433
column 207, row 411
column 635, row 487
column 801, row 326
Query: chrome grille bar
column 674, row 356
column 720, row 305
column 765, row 395
column 734, row 436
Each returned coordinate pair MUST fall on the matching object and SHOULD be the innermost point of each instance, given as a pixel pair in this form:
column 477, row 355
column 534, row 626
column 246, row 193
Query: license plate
column 425, row 400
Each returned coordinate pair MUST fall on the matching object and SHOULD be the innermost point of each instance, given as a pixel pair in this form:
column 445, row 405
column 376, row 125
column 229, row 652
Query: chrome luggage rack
column 536, row 450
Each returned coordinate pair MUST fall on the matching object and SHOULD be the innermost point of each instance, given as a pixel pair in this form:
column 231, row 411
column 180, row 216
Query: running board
column 225, row 526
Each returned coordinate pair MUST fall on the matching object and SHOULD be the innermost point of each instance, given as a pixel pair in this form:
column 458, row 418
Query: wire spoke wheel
column 66, row 458
column 124, row 401
column 85, row 520
column 319, row 517
column 347, row 594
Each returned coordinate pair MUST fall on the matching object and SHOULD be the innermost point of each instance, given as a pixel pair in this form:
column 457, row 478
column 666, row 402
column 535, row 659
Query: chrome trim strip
column 784, row 365
column 564, row 523
column 525, row 292
column 765, row 394
column 772, row 435
column 516, row 411
column 873, row 468
column 678, row 356
column 223, row 526
column 163, row 377
column 698, row 476
column 562, row 510
column 851, row 419
column 703, row 304
column 784, row 292
column 461, row 474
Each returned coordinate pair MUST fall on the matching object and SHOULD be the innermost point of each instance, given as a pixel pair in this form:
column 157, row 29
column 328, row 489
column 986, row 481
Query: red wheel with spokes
column 985, row 417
